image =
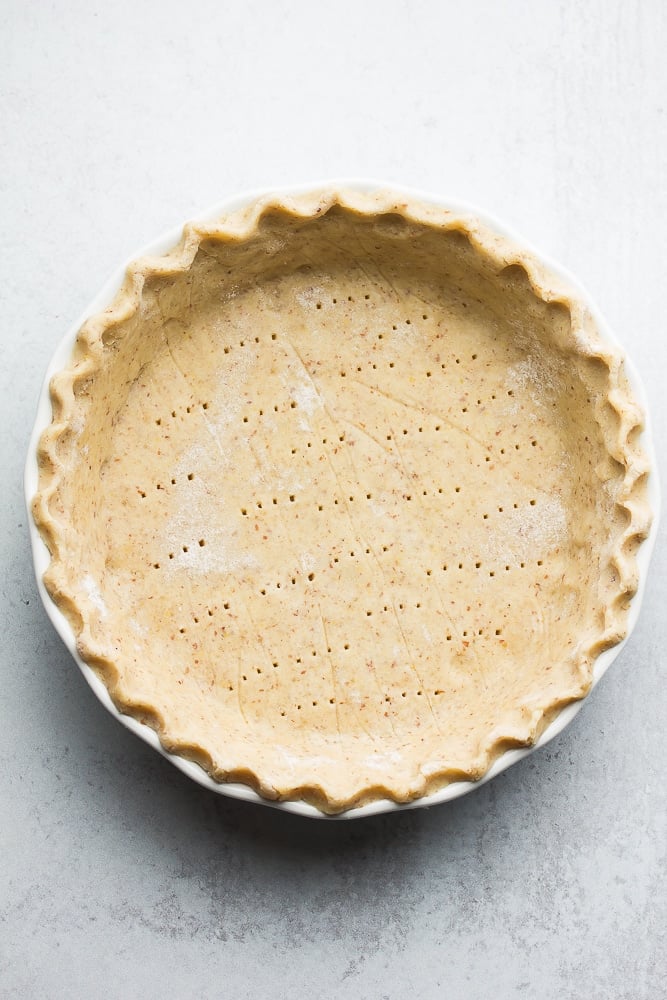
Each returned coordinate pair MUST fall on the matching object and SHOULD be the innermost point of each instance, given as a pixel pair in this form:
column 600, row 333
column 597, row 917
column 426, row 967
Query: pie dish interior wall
column 420, row 416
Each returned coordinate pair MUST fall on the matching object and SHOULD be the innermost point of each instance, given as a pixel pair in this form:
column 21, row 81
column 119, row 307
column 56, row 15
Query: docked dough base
column 345, row 500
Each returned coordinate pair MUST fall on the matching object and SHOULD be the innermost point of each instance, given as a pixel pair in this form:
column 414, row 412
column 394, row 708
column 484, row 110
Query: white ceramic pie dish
column 42, row 558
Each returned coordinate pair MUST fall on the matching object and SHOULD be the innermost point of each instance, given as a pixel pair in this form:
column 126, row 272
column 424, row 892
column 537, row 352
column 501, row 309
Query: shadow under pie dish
column 342, row 499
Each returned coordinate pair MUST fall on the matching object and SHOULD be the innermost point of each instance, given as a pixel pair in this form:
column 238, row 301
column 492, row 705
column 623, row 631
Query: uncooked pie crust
column 343, row 496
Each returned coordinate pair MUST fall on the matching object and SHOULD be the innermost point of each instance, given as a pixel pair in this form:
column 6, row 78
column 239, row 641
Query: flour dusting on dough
column 308, row 562
column 529, row 531
column 220, row 553
column 311, row 297
column 231, row 380
column 93, row 591
column 196, row 518
column 301, row 388
column 536, row 375
column 382, row 761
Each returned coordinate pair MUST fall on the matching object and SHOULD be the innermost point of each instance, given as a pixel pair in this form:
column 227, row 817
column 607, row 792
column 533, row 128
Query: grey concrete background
column 118, row 878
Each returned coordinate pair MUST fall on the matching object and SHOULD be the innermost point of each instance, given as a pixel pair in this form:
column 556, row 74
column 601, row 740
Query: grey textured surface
column 118, row 877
